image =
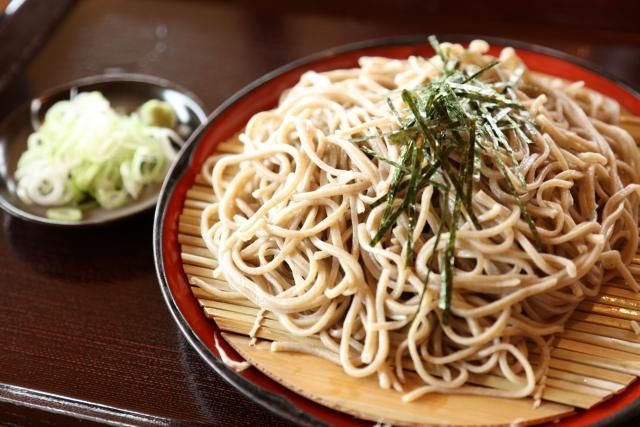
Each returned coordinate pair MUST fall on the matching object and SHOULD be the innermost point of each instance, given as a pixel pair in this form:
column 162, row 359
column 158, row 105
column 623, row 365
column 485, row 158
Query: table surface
column 84, row 332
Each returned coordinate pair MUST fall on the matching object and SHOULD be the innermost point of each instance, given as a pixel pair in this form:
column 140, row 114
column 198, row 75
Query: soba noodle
column 295, row 214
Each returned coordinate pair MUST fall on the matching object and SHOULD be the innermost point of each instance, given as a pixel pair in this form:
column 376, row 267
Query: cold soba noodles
column 443, row 216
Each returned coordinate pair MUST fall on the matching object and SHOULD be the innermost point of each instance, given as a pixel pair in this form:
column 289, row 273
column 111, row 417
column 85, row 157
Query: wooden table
column 84, row 332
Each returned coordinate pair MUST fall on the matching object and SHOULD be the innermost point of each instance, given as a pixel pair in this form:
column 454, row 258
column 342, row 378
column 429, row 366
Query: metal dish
column 126, row 92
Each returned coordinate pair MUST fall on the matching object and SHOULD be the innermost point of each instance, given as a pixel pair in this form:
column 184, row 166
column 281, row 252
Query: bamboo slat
column 595, row 329
column 601, row 320
column 582, row 379
column 609, row 310
column 597, row 356
column 590, row 371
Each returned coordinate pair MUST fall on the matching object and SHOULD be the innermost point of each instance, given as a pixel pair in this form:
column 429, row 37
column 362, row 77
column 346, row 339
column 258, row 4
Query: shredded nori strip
column 447, row 126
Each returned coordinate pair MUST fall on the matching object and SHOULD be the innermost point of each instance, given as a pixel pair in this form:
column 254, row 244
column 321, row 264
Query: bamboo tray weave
column 597, row 356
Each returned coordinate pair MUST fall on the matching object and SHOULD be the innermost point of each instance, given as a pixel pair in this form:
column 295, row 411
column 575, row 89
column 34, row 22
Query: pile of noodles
column 293, row 220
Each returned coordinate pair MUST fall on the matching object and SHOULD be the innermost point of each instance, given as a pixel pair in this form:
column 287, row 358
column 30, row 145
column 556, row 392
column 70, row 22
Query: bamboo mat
column 596, row 357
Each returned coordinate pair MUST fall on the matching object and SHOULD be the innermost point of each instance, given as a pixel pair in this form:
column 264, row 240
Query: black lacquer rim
column 268, row 399
column 159, row 82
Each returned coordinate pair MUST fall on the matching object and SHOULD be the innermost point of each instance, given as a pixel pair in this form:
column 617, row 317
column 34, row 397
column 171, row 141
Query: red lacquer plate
column 263, row 94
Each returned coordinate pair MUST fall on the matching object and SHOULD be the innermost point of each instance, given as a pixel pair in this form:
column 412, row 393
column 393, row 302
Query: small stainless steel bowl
column 125, row 92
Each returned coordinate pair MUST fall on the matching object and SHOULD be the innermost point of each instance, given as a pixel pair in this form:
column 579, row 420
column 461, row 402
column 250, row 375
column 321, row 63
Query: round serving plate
column 125, row 92
column 263, row 94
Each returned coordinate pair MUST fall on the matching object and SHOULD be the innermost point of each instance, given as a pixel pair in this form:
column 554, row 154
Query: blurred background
column 237, row 41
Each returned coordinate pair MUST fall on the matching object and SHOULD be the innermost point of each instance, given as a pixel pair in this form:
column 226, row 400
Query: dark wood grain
column 84, row 333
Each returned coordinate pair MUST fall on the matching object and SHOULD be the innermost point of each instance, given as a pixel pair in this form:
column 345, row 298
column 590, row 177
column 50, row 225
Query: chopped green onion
column 64, row 214
column 84, row 150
